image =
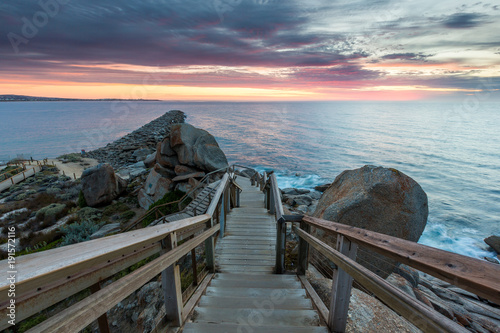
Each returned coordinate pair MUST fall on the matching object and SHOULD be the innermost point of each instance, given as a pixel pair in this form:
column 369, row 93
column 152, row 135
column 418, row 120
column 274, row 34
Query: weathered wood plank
column 477, row 276
column 189, row 307
column 31, row 303
column 40, row 269
column 414, row 311
column 80, row 315
column 317, row 302
column 341, row 288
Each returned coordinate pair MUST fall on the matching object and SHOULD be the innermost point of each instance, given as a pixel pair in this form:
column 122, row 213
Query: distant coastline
column 20, row 98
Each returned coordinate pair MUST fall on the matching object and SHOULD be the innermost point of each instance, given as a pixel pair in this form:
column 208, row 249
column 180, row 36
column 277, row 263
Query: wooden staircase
column 245, row 295
column 196, row 207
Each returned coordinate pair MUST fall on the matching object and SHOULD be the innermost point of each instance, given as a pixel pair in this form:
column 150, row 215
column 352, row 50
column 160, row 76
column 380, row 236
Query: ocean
column 451, row 149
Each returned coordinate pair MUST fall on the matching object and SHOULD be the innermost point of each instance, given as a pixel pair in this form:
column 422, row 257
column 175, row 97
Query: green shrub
column 78, row 232
column 72, row 157
column 36, row 242
column 113, row 209
column 31, row 322
column 166, row 210
column 127, row 215
column 89, row 214
column 50, row 212
column 81, row 200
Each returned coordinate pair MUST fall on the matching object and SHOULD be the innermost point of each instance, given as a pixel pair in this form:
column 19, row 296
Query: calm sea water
column 452, row 150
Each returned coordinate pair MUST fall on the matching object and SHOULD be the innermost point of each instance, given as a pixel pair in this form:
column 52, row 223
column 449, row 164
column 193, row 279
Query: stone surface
column 184, row 169
column 322, row 188
column 200, row 174
column 120, row 152
column 106, row 230
column 378, row 199
column 144, row 200
column 150, row 160
column 141, row 154
column 367, row 314
column 196, row 148
column 100, row 185
column 494, row 242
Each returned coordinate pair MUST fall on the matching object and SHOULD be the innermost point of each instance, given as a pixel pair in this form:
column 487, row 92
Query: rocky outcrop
column 182, row 158
column 137, row 145
column 378, row 199
column 493, row 242
column 454, row 303
column 196, row 148
column 100, row 185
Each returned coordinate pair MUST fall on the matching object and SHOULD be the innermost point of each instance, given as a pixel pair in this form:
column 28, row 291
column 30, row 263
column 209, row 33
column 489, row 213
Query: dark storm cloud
column 344, row 72
column 464, row 20
column 408, row 56
column 164, row 33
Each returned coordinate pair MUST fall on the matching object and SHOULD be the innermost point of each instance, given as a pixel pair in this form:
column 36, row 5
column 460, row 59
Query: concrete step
column 246, row 262
column 256, row 283
column 272, row 301
column 224, row 257
column 247, row 252
column 248, row 328
column 239, row 277
column 250, row 270
column 251, row 292
column 262, row 316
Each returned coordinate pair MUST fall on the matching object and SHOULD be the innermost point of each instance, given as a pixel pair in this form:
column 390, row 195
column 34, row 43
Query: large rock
column 494, row 242
column 196, row 148
column 378, row 199
column 100, row 185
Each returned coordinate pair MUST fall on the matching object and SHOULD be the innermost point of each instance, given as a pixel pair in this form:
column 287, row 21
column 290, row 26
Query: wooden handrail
column 477, row 276
column 215, row 201
column 414, row 311
column 50, row 276
column 277, row 196
column 76, row 317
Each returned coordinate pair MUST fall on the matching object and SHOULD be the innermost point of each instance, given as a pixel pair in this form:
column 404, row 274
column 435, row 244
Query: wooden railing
column 45, row 278
column 474, row 275
column 156, row 211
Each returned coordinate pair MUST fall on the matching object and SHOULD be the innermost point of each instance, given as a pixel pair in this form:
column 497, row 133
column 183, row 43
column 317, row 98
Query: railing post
column 303, row 258
column 209, row 249
column 222, row 215
column 171, row 283
column 272, row 208
column 102, row 320
column 280, row 245
column 193, row 265
column 341, row 288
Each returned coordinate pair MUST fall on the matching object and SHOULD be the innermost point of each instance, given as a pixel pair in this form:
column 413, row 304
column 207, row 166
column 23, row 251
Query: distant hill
column 20, row 98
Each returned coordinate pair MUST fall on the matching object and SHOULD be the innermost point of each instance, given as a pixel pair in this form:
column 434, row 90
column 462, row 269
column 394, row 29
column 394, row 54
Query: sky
column 240, row 50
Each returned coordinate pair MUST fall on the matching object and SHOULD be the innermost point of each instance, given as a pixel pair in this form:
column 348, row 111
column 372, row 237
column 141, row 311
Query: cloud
column 297, row 42
column 464, row 20
column 408, row 56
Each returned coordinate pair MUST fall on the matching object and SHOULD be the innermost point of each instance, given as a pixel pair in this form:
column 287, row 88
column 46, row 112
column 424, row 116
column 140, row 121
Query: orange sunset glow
column 274, row 52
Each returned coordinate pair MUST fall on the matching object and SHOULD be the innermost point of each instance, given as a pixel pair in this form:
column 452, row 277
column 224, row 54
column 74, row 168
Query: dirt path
column 75, row 168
